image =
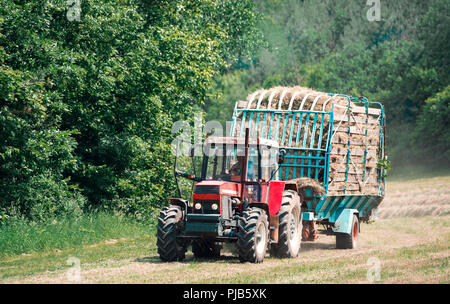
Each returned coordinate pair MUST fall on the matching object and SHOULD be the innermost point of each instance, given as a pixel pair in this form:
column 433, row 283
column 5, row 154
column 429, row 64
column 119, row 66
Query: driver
column 235, row 169
column 235, row 166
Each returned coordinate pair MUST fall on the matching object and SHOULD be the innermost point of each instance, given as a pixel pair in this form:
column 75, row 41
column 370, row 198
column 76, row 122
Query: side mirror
column 281, row 156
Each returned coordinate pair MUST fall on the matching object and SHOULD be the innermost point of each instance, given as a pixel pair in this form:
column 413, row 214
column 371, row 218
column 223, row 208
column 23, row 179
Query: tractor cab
column 224, row 159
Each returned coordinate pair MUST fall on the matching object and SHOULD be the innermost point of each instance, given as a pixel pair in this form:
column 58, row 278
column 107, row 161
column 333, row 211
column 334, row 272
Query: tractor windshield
column 224, row 162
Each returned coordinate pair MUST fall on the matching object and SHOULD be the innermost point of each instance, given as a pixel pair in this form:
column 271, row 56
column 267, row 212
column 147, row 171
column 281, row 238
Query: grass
column 115, row 249
column 409, row 250
column 22, row 237
column 418, row 197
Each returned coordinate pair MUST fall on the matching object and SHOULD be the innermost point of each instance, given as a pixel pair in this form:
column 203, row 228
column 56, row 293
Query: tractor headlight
column 198, row 206
column 214, row 207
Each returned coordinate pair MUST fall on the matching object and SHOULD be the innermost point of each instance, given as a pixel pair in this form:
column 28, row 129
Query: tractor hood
column 217, row 187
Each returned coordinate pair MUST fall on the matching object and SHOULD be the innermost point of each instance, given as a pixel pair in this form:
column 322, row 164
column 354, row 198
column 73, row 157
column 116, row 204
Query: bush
column 432, row 131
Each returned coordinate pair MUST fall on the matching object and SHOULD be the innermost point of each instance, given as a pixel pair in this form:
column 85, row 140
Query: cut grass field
column 409, row 249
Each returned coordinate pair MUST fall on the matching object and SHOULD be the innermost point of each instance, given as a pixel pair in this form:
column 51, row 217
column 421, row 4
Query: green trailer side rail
column 306, row 135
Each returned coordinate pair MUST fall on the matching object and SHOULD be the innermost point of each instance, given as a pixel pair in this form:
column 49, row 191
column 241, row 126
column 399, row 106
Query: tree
column 87, row 105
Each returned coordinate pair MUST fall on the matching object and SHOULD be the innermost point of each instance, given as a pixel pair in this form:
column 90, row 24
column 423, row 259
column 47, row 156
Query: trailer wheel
column 290, row 227
column 253, row 235
column 205, row 248
column 169, row 225
column 348, row 241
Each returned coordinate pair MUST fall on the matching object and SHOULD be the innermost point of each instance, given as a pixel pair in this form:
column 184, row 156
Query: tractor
column 237, row 199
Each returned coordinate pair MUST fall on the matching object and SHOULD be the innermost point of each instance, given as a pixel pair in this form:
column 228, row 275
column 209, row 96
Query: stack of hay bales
column 362, row 131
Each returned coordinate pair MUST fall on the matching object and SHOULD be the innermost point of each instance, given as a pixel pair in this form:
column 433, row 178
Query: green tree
column 432, row 130
column 87, row 106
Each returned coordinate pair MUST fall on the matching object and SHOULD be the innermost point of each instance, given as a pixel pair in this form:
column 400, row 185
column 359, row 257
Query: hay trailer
column 334, row 151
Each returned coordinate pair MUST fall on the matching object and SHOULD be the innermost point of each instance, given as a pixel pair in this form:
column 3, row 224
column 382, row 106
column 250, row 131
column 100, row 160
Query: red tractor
column 238, row 199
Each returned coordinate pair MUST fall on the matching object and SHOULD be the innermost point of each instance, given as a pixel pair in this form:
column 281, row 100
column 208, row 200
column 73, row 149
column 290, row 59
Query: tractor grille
column 207, row 207
column 206, row 190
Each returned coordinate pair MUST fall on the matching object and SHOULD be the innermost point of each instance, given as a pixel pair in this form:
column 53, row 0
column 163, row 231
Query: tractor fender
column 182, row 203
column 262, row 206
column 344, row 221
column 274, row 197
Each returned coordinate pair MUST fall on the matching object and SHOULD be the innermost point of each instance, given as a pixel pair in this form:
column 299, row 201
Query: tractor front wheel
column 169, row 225
column 253, row 235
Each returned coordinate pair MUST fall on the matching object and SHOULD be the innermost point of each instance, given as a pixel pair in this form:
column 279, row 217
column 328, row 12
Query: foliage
column 86, row 107
column 432, row 130
column 329, row 45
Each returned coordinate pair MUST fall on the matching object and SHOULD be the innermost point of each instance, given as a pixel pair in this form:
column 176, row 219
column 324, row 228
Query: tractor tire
column 253, row 235
column 290, row 227
column 348, row 241
column 169, row 226
column 205, row 248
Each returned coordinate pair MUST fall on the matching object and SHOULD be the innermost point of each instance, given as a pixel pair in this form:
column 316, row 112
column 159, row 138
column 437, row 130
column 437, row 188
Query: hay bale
column 305, row 182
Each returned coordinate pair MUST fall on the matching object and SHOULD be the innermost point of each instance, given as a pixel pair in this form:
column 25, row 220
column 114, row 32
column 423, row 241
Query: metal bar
column 302, row 149
column 283, row 111
column 278, row 127
column 242, row 124
column 365, row 143
column 284, row 129
column 319, row 143
column 264, row 125
column 301, row 165
column 250, row 120
column 290, row 143
column 297, row 139
column 257, row 125
column 349, row 149
column 328, row 146
column 305, row 137
column 313, row 133
column 305, row 157
column 270, row 127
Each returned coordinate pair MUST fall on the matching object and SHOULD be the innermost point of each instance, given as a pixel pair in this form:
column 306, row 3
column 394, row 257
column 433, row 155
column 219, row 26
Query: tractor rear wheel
column 348, row 241
column 290, row 227
column 169, row 225
column 203, row 248
column 253, row 235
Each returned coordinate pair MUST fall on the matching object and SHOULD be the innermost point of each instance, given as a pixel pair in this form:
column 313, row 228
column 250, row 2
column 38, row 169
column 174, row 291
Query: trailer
column 353, row 193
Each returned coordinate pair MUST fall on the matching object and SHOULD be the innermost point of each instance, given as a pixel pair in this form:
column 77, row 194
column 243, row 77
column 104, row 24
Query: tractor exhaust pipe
column 245, row 164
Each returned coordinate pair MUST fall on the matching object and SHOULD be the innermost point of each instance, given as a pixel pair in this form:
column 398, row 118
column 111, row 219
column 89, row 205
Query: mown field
column 410, row 242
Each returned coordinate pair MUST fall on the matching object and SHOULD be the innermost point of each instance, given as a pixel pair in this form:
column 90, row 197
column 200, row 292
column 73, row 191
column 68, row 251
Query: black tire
column 169, row 225
column 349, row 241
column 253, row 235
column 203, row 248
column 290, row 227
